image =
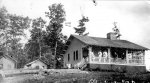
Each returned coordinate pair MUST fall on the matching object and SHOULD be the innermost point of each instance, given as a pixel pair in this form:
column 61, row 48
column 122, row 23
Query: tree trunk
column 40, row 48
column 55, row 55
column 6, row 46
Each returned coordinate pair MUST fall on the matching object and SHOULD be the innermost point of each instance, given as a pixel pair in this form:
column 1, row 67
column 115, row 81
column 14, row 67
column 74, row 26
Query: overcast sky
column 133, row 17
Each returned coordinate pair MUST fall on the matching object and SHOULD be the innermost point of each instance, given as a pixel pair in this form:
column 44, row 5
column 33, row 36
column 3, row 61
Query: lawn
column 75, row 76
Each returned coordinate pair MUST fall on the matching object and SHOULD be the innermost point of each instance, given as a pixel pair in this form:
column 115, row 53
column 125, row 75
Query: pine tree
column 81, row 27
column 11, row 30
column 35, row 43
column 55, row 39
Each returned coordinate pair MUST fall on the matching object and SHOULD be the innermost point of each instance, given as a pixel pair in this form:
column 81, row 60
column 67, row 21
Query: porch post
column 89, row 53
column 143, row 57
column 109, row 55
column 127, row 57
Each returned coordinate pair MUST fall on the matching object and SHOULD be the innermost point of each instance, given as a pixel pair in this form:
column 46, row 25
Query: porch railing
column 117, row 61
column 136, row 61
column 100, row 60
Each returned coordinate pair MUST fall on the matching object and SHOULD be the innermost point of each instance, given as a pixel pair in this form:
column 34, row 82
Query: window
column 77, row 55
column 74, row 55
column 68, row 57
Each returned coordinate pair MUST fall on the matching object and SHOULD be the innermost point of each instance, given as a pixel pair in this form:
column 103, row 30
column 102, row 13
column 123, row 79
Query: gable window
column 77, row 55
column 68, row 57
column 74, row 55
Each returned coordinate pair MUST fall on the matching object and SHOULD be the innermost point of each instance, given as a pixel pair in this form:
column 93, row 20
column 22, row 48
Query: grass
column 100, row 77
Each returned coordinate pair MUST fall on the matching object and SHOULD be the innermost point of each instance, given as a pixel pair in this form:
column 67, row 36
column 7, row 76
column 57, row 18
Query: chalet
column 109, row 53
column 7, row 62
column 36, row 64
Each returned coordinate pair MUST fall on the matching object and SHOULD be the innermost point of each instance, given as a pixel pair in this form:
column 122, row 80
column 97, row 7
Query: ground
column 74, row 76
column 16, row 79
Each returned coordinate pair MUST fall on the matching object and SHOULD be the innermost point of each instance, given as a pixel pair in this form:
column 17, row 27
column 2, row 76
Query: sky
column 132, row 17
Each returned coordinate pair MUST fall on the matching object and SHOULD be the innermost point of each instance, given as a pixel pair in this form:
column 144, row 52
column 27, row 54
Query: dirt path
column 16, row 79
column 20, row 78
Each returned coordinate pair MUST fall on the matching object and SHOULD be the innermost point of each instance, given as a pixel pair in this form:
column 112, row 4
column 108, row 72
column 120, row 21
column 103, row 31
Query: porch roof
column 108, row 42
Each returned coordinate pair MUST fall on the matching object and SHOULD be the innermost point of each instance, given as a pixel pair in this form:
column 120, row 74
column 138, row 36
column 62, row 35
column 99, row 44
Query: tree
column 81, row 27
column 15, row 29
column 55, row 39
column 116, row 30
column 35, row 43
column 12, row 28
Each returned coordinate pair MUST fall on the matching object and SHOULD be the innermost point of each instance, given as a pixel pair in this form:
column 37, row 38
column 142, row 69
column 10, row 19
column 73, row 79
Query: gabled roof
column 35, row 61
column 7, row 56
column 104, row 42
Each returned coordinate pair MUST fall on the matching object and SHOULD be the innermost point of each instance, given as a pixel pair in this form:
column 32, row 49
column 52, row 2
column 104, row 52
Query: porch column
column 89, row 53
column 109, row 55
column 127, row 57
column 143, row 57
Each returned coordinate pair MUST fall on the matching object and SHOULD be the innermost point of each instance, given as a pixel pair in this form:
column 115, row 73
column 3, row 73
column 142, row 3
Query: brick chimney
column 111, row 36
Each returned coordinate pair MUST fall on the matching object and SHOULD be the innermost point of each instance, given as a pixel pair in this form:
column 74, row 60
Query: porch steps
column 81, row 65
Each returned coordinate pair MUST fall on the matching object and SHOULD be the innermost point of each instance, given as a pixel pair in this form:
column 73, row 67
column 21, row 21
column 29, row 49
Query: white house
column 7, row 62
column 36, row 64
column 109, row 53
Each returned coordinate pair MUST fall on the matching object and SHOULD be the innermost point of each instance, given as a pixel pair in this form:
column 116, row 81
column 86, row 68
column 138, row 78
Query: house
column 109, row 54
column 36, row 64
column 7, row 62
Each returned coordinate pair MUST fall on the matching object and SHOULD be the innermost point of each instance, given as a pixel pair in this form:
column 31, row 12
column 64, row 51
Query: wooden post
column 89, row 54
column 109, row 55
column 143, row 57
column 127, row 57
column 81, row 53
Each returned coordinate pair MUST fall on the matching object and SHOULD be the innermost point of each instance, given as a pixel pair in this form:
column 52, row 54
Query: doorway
column 85, row 52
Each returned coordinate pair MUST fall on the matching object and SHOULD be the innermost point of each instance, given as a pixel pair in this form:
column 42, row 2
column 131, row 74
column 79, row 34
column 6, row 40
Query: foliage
column 55, row 39
column 81, row 26
column 116, row 30
column 12, row 29
column 47, row 44
column 35, row 43
column 16, row 27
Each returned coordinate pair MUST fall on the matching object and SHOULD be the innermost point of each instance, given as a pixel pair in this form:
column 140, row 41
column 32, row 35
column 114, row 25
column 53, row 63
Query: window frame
column 77, row 55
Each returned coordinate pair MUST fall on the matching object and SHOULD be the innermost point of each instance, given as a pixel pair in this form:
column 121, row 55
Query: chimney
column 111, row 36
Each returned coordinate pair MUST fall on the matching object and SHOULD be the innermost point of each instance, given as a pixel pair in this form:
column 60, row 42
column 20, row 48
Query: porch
column 116, row 56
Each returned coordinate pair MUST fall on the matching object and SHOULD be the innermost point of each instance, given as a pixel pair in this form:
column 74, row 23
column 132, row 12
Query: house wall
column 74, row 46
column 7, row 63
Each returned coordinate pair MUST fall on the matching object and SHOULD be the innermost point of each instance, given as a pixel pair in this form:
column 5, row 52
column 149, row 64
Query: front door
column 85, row 52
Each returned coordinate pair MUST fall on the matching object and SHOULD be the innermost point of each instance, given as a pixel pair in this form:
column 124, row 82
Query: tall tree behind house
column 81, row 27
column 35, row 43
column 116, row 30
column 55, row 38
column 36, row 47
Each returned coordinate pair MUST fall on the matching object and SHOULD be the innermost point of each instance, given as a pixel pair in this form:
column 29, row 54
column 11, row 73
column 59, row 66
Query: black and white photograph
column 74, row 41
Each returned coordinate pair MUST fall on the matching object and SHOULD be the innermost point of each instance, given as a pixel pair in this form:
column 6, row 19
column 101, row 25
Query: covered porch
column 115, row 56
